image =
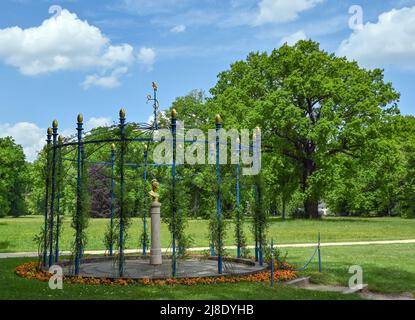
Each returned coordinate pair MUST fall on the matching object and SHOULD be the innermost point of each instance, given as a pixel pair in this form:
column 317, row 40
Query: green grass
column 16, row 234
column 386, row 268
column 14, row 287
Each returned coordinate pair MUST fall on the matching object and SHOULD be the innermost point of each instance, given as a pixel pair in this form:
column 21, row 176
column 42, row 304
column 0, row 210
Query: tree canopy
column 14, row 179
column 314, row 110
column 331, row 132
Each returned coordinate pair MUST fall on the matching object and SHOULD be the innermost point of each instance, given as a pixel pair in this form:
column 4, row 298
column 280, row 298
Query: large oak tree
column 312, row 107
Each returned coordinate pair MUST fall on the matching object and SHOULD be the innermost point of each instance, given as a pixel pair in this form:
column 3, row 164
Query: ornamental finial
column 174, row 113
column 218, row 119
column 50, row 131
column 155, row 86
column 80, row 118
column 60, row 139
column 122, row 114
column 55, row 124
column 113, row 147
column 257, row 132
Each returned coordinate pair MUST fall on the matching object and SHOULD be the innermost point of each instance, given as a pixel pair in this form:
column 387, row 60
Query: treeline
column 331, row 132
column 14, row 179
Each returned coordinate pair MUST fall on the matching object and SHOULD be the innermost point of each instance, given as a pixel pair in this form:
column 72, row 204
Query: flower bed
column 31, row 270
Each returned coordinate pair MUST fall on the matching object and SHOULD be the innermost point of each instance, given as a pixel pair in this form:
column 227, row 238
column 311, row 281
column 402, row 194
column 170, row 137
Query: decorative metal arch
column 141, row 132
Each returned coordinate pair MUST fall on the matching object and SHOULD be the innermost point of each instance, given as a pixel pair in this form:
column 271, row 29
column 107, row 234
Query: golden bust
column 154, row 190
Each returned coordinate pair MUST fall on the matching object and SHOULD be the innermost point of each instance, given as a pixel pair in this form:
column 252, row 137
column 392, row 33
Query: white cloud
column 292, row 39
column 280, row 11
column 178, row 29
column 225, row 14
column 266, row 12
column 105, row 81
column 147, row 57
column 30, row 136
column 61, row 43
column 389, row 41
column 98, row 122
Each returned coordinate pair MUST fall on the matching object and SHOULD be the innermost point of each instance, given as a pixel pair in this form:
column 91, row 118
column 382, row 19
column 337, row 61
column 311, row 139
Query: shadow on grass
column 323, row 220
column 341, row 219
column 4, row 245
column 379, row 279
column 389, row 280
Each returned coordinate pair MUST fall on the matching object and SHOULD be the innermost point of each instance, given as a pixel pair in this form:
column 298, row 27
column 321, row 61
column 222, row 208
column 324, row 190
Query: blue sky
column 96, row 56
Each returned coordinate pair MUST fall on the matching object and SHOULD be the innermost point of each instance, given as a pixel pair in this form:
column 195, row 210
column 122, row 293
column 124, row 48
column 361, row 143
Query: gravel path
column 293, row 245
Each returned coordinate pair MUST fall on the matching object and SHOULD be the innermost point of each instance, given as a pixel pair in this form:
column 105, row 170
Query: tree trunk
column 283, row 209
column 310, row 202
column 311, row 208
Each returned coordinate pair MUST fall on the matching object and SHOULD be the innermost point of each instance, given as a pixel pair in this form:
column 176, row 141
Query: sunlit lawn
column 386, row 268
column 14, row 287
column 16, row 234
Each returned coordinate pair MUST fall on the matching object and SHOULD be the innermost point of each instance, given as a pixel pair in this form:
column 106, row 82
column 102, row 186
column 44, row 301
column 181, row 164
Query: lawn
column 386, row 268
column 14, row 287
column 16, row 234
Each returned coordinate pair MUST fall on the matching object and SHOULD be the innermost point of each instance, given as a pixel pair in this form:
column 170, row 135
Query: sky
column 59, row 58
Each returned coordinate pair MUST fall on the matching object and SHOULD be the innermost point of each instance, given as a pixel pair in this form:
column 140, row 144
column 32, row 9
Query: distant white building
column 323, row 210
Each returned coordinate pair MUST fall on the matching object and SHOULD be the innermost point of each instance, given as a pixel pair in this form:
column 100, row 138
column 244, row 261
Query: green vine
column 59, row 192
column 46, row 176
column 179, row 223
column 260, row 217
column 80, row 221
column 122, row 220
column 217, row 233
column 240, row 236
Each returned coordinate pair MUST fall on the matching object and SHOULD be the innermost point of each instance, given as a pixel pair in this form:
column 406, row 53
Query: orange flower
column 31, row 270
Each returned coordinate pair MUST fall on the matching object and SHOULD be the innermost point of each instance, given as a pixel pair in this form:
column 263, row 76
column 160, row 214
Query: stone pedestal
column 155, row 258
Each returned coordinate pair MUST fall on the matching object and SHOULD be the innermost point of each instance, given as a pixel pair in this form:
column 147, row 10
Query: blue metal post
column 174, row 133
column 212, row 243
column 145, row 202
column 256, row 250
column 155, row 107
column 256, row 226
column 320, row 266
column 122, row 182
column 272, row 263
column 218, row 204
column 58, row 222
column 259, row 195
column 238, row 200
column 58, row 202
column 212, row 247
column 112, row 200
column 261, row 254
column 52, row 200
column 45, row 238
column 78, row 249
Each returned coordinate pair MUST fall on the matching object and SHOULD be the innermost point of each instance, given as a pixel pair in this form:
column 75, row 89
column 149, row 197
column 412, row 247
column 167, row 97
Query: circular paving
column 140, row 268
